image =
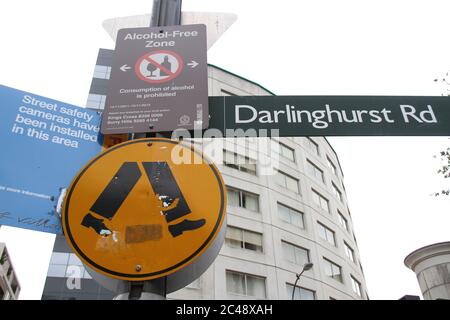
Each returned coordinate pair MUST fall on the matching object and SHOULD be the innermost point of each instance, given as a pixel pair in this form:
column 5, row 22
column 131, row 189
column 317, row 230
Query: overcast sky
column 296, row 47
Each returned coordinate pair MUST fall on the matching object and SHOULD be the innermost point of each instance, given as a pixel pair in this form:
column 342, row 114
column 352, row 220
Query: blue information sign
column 43, row 144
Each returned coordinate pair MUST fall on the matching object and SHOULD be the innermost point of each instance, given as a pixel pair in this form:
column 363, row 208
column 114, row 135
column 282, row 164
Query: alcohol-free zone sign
column 159, row 81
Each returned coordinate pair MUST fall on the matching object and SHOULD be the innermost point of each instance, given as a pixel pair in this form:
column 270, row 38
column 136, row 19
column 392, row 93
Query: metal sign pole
column 164, row 13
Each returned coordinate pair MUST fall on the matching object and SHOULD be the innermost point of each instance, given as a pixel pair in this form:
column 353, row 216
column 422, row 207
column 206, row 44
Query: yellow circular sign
column 144, row 209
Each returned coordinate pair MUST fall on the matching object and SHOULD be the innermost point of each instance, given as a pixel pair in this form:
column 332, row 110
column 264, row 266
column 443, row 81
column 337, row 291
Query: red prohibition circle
column 171, row 76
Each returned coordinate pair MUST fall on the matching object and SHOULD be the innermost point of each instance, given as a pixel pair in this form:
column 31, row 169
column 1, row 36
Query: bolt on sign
column 139, row 211
column 159, row 81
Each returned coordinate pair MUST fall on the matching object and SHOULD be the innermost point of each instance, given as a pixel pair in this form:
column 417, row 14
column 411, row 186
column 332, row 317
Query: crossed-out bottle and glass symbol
column 159, row 66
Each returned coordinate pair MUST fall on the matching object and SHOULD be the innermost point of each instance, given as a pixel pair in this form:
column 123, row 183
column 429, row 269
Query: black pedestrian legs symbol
column 164, row 186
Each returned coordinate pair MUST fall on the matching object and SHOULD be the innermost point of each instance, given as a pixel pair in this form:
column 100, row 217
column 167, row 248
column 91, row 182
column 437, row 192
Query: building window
column 102, row 72
column 96, row 101
column 331, row 166
column 59, row 258
column 326, row 234
column 56, row 270
column 343, row 221
column 285, row 151
column 320, row 201
column 15, row 287
column 295, row 254
column 332, row 270
column 5, row 264
column 300, row 293
column 10, row 272
column 287, row 181
column 245, row 284
column 337, row 193
column 244, row 239
column 314, row 171
column 314, row 147
column 63, row 264
column 77, row 271
column 349, row 252
column 243, row 199
column 4, row 258
column 58, row 264
column 291, row 216
column 74, row 272
column 239, row 162
column 356, row 285
column 74, row 260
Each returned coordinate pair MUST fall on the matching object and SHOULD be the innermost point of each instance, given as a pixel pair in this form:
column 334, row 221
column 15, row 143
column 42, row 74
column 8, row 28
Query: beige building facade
column 432, row 267
column 9, row 284
column 278, row 221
